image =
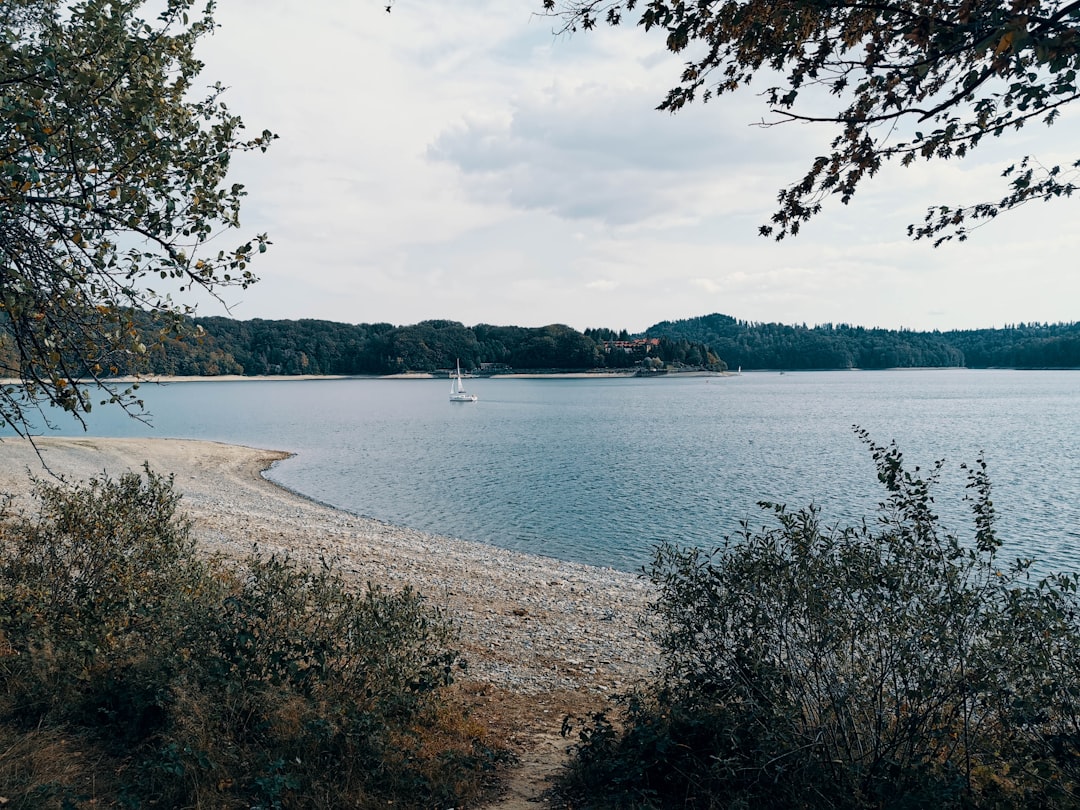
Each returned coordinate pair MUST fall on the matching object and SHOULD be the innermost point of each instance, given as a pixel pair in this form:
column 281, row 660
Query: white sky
column 459, row 161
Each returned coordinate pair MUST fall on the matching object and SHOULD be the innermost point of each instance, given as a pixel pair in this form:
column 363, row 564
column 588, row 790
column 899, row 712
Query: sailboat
column 457, row 389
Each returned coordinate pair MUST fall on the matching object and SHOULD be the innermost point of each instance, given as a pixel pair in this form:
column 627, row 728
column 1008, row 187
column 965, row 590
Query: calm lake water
column 599, row 470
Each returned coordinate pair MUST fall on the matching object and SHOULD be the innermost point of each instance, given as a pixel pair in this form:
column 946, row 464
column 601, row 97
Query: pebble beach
column 527, row 624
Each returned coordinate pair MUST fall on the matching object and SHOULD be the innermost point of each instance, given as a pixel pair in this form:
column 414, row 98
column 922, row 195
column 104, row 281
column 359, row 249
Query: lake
column 599, row 470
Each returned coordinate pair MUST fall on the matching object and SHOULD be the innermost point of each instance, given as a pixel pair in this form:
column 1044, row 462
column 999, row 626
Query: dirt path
column 527, row 783
column 530, row 726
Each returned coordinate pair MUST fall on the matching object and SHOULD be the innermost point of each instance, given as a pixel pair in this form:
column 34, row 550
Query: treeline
column 214, row 346
column 840, row 346
column 1032, row 345
column 257, row 347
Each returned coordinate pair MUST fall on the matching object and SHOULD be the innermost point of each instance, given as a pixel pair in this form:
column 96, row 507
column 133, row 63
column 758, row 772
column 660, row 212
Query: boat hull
column 457, row 389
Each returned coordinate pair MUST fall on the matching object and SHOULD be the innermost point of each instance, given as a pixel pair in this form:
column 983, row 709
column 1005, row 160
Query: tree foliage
column 920, row 79
column 113, row 181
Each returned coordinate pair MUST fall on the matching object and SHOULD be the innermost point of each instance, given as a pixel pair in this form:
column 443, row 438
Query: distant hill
column 713, row 342
column 260, row 347
column 840, row 346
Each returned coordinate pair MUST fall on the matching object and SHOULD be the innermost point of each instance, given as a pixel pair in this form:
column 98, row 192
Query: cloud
column 590, row 151
column 602, row 284
column 461, row 161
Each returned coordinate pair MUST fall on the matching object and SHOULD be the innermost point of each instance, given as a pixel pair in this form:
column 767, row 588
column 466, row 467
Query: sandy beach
column 530, row 625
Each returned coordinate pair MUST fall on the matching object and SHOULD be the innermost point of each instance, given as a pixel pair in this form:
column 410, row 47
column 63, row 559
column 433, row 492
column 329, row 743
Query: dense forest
column 713, row 342
column 215, row 346
column 841, row 346
column 257, row 347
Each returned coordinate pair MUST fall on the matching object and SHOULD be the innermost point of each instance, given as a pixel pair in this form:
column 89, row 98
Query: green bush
column 884, row 665
column 257, row 684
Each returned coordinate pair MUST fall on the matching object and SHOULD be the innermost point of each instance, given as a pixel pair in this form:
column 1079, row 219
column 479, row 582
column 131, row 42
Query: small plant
column 884, row 665
column 181, row 680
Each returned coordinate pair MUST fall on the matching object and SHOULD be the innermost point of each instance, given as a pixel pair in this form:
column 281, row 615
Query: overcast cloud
column 460, row 161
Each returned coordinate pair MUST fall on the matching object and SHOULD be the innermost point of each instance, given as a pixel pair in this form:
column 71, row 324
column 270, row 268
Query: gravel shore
column 528, row 624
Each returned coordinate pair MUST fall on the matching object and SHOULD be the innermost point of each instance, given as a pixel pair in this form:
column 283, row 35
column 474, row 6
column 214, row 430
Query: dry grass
column 47, row 768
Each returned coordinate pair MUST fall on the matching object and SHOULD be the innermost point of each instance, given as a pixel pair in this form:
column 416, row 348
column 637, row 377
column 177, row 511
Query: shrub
column 889, row 664
column 194, row 682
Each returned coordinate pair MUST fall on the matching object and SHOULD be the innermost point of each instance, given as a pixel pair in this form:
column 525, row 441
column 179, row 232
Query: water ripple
column 598, row 471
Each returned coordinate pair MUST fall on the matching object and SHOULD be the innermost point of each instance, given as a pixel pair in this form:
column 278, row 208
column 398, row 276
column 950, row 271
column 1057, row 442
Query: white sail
column 457, row 389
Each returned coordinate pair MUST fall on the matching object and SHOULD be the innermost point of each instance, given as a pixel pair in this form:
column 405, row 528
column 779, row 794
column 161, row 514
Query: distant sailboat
column 457, row 389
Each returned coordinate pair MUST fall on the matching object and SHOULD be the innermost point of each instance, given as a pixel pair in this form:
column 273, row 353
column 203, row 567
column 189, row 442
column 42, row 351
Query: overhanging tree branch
column 109, row 177
column 972, row 68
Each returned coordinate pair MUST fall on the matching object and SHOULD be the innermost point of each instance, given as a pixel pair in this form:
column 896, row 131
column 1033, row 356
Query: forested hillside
column 258, row 347
column 1021, row 346
column 838, row 346
column 713, row 342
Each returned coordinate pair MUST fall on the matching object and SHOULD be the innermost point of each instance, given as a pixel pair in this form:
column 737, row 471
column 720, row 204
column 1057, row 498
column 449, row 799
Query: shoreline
column 527, row 624
column 164, row 379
